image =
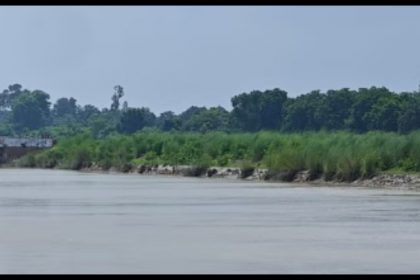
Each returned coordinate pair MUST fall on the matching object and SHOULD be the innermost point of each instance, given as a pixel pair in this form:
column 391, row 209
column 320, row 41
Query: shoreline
column 381, row 180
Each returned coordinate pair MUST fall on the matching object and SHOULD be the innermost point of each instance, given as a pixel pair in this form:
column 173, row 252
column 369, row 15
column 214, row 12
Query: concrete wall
column 23, row 142
column 13, row 148
column 10, row 153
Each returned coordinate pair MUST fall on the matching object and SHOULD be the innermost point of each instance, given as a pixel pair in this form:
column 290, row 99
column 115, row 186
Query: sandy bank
column 396, row 181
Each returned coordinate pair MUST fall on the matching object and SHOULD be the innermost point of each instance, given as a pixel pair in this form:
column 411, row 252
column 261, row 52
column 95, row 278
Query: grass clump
column 340, row 156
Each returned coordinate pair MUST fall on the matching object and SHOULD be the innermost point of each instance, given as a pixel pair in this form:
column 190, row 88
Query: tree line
column 26, row 112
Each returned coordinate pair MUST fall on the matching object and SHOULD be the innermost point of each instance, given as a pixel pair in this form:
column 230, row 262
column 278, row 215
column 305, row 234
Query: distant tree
column 125, row 106
column 305, row 112
column 101, row 125
column 118, row 93
column 135, row 119
column 65, row 106
column 258, row 110
column 361, row 119
column 409, row 118
column 186, row 116
column 86, row 112
column 362, row 110
column 215, row 118
column 384, row 114
column 191, row 111
column 31, row 110
column 168, row 121
column 336, row 108
column 9, row 95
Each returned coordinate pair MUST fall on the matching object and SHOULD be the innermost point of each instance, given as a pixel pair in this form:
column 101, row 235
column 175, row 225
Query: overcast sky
column 169, row 58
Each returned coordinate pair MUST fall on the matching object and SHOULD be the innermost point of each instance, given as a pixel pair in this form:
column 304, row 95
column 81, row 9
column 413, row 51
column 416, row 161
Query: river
column 73, row 222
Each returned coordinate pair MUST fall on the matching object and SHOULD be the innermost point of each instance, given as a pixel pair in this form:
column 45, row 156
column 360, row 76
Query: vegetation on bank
column 339, row 156
column 339, row 135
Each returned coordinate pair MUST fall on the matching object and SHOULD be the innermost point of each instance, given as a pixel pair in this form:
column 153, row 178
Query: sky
column 173, row 57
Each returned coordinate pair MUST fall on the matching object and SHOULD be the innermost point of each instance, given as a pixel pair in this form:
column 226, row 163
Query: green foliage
column 319, row 133
column 339, row 156
column 24, row 112
column 258, row 110
column 5, row 129
column 134, row 119
column 168, row 121
column 31, row 110
column 118, row 93
column 306, row 112
column 215, row 118
column 9, row 96
column 64, row 106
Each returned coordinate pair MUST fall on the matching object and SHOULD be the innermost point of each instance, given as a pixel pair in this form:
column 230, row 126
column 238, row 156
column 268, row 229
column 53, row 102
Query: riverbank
column 376, row 158
column 382, row 180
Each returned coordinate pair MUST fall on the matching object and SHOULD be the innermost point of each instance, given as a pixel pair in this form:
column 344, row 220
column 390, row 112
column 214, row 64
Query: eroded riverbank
column 383, row 180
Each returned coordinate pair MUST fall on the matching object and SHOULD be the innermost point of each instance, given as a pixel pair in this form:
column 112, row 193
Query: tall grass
column 340, row 156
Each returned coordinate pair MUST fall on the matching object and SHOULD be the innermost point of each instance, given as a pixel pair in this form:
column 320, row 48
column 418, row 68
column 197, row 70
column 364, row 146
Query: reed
column 341, row 156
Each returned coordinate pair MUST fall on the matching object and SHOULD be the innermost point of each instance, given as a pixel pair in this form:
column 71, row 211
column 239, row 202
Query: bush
column 340, row 156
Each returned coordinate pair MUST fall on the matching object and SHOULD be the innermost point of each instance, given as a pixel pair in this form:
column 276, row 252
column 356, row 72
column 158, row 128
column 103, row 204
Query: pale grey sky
column 169, row 58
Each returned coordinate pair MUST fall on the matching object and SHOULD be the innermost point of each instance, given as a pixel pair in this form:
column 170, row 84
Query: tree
column 191, row 111
column 118, row 93
column 185, row 116
column 384, row 114
column 305, row 112
column 9, row 95
column 360, row 119
column 409, row 118
column 101, row 125
column 168, row 121
column 125, row 106
column 31, row 110
column 336, row 109
column 215, row 118
column 65, row 106
column 258, row 110
column 86, row 112
column 135, row 119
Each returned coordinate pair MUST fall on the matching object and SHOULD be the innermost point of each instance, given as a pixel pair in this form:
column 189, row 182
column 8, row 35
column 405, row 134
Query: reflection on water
column 72, row 222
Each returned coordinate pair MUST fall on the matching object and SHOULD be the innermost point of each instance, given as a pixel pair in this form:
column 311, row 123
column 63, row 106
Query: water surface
column 72, row 222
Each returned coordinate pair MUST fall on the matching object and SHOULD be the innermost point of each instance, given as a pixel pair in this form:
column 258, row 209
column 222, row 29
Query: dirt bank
column 384, row 180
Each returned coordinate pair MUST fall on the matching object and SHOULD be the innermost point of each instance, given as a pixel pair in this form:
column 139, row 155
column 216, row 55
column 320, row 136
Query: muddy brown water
column 72, row 222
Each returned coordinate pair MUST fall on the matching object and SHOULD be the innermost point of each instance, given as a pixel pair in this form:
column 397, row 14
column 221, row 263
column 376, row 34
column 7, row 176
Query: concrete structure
column 25, row 142
column 12, row 148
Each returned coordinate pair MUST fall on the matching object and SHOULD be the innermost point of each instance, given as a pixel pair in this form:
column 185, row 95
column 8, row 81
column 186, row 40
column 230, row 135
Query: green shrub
column 340, row 156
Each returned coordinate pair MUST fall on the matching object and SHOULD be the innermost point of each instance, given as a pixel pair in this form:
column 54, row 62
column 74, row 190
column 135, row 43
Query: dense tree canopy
column 258, row 110
column 9, row 96
column 31, row 110
column 168, row 121
column 306, row 112
column 64, row 106
column 215, row 118
column 25, row 112
column 134, row 119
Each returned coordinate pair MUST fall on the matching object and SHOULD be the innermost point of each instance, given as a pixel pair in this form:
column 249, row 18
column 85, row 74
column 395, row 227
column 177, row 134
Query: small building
column 25, row 142
column 13, row 148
